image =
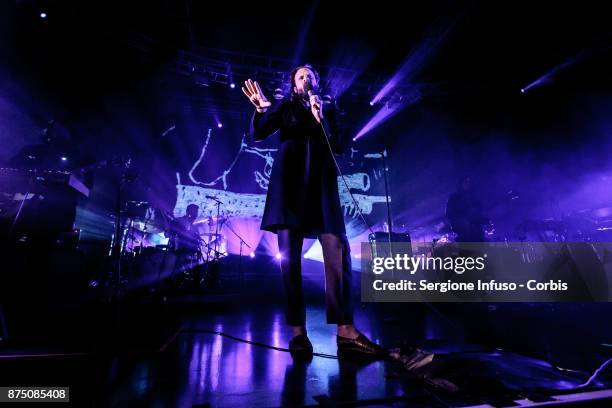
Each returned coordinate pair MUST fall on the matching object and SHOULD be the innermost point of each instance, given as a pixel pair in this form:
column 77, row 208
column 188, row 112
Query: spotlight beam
column 416, row 59
column 406, row 74
column 306, row 23
column 396, row 104
column 549, row 77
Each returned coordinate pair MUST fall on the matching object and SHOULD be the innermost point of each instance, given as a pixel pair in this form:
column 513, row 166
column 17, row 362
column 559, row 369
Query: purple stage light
column 278, row 256
column 405, row 75
column 390, row 108
column 340, row 79
column 549, row 76
column 252, row 254
column 219, row 125
column 64, row 158
column 232, row 85
column 43, row 15
column 355, row 233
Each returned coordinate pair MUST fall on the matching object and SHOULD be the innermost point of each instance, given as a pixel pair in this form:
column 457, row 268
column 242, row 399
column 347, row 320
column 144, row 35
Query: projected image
column 242, row 211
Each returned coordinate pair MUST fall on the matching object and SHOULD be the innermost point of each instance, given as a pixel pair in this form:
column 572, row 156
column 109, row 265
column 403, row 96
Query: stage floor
column 494, row 354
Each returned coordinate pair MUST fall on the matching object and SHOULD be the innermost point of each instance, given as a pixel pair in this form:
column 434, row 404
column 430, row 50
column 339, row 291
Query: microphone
column 310, row 90
column 214, row 198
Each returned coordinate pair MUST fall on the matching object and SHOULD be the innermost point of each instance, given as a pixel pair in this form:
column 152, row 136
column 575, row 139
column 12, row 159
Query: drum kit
column 152, row 252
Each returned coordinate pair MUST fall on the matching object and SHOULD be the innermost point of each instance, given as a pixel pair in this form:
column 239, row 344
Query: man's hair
column 294, row 71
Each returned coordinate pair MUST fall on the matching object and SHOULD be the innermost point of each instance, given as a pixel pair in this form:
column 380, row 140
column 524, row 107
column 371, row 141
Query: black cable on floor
column 595, row 374
column 254, row 343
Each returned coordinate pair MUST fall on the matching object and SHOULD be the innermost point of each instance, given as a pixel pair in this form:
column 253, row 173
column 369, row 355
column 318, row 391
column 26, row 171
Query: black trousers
column 337, row 262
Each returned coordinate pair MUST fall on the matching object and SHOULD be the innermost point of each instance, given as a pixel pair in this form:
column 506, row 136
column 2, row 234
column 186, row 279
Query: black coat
column 303, row 189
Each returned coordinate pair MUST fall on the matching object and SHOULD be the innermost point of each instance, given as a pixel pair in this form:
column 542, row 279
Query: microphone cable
column 331, row 152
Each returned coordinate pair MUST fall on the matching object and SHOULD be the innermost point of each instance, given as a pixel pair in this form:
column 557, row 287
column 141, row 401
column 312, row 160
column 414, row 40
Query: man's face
column 302, row 76
column 192, row 213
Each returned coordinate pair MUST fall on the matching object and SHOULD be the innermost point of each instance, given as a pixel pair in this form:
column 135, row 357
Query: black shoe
column 359, row 347
column 300, row 345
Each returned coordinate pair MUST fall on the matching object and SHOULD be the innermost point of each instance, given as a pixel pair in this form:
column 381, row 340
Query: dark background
column 107, row 71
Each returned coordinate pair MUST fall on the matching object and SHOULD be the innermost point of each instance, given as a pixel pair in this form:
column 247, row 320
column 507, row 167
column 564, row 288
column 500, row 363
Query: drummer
column 184, row 234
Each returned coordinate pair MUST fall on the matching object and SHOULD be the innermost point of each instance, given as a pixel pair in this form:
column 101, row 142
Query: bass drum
column 151, row 266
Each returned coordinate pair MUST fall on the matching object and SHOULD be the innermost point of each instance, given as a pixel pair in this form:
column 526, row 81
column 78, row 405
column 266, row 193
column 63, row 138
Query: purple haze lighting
column 414, row 62
column 252, row 254
column 355, row 233
column 268, row 244
column 248, row 229
column 64, row 158
column 381, row 115
column 219, row 125
column 389, row 109
column 371, row 103
column 303, row 30
column 416, row 59
column 232, row 85
column 278, row 255
column 348, row 61
column 340, row 79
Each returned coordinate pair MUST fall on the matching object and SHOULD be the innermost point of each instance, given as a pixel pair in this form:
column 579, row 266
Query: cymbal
column 151, row 228
column 211, row 220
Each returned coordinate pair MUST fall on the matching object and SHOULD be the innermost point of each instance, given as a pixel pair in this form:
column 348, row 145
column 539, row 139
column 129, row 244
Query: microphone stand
column 117, row 242
column 114, row 283
column 383, row 156
column 242, row 242
column 217, row 225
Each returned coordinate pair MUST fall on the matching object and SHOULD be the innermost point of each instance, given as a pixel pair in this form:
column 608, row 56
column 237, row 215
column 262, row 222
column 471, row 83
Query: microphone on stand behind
column 214, row 198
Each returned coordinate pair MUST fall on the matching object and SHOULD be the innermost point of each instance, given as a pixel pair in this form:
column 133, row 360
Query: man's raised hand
column 253, row 91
